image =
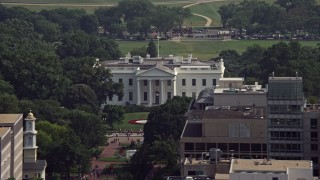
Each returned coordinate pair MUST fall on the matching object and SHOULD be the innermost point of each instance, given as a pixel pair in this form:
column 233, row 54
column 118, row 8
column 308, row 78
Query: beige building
column 15, row 159
column 263, row 169
column 246, row 121
column 5, row 155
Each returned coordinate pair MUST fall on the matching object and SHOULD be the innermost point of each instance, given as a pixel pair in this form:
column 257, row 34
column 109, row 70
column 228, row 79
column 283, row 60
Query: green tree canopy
column 152, row 49
column 113, row 114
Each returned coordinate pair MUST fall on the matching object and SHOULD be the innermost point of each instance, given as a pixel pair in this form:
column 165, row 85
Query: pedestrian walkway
column 109, row 151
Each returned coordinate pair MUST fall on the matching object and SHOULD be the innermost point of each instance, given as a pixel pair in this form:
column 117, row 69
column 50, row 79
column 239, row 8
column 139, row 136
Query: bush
column 131, row 108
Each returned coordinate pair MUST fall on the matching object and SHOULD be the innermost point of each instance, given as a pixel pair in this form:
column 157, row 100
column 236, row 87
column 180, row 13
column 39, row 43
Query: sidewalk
column 109, row 151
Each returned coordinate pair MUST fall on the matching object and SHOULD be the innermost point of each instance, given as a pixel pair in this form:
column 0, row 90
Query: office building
column 12, row 162
column 263, row 169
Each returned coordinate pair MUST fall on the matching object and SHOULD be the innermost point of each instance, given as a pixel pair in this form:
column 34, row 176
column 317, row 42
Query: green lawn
column 204, row 49
column 131, row 116
column 210, row 10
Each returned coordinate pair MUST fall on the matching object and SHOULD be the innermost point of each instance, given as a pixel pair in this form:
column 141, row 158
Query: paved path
column 209, row 20
column 109, row 151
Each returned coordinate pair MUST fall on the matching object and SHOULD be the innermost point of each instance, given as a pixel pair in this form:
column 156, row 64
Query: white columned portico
column 161, row 92
column 138, row 92
column 174, row 89
column 150, row 93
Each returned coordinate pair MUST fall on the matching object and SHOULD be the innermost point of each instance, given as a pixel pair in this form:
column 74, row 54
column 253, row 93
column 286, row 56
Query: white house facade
column 152, row 81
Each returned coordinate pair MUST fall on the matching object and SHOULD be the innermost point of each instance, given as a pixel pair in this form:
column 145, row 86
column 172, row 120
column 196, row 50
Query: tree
column 139, row 52
column 226, row 13
column 152, row 49
column 113, row 114
column 6, row 87
column 231, row 60
column 88, row 127
column 81, row 96
column 166, row 121
column 9, row 103
column 163, row 20
column 89, row 24
column 30, row 64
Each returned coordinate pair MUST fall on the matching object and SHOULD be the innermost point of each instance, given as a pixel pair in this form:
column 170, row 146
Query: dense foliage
column 285, row 16
column 161, row 139
column 48, row 64
column 284, row 59
column 139, row 16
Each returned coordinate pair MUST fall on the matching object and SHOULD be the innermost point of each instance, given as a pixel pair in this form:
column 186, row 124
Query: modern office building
column 285, row 118
column 247, row 121
column 229, row 119
column 12, row 162
column 151, row 81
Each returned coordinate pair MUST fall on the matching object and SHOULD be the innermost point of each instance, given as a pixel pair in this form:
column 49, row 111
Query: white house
column 262, row 169
column 151, row 81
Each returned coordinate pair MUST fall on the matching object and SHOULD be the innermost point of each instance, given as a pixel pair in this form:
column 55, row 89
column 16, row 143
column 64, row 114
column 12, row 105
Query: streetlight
column 158, row 37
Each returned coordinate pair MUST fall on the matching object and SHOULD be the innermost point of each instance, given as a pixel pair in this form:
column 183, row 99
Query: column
column 161, row 92
column 138, row 92
column 150, row 92
column 174, row 89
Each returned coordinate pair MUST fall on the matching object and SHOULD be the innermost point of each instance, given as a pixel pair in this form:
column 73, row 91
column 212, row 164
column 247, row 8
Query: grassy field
column 131, row 116
column 203, row 50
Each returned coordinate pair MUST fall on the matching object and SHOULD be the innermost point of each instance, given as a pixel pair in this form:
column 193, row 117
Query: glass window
column 169, row 82
column 314, row 123
column 189, row 146
column 119, row 98
column 314, row 147
column 214, row 82
column 194, row 82
column 183, row 82
column 168, row 95
column 314, row 136
column 157, row 82
column 145, row 82
column 145, row 96
column 120, row 80
column 110, row 98
column 183, row 94
column 130, row 82
column 204, row 82
column 194, row 95
column 130, row 96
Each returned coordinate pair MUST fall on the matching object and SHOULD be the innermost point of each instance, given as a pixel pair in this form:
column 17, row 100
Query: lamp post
column 158, row 37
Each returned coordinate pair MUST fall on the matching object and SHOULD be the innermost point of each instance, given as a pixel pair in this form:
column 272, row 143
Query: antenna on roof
column 273, row 74
column 296, row 74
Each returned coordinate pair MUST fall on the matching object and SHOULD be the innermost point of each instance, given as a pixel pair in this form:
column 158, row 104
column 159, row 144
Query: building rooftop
column 263, row 165
column 228, row 112
column 39, row 165
column 9, row 118
column 284, row 78
column 4, row 131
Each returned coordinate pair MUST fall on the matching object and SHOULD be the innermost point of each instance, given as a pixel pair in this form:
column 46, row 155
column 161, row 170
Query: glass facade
column 285, row 120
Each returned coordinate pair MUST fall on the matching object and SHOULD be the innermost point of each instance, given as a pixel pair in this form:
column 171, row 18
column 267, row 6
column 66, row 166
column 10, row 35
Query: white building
column 262, row 169
column 32, row 167
column 151, row 81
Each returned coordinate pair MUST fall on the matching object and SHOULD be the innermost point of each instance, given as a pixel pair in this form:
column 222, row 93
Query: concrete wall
column 256, row 176
column 295, row 173
column 240, row 99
